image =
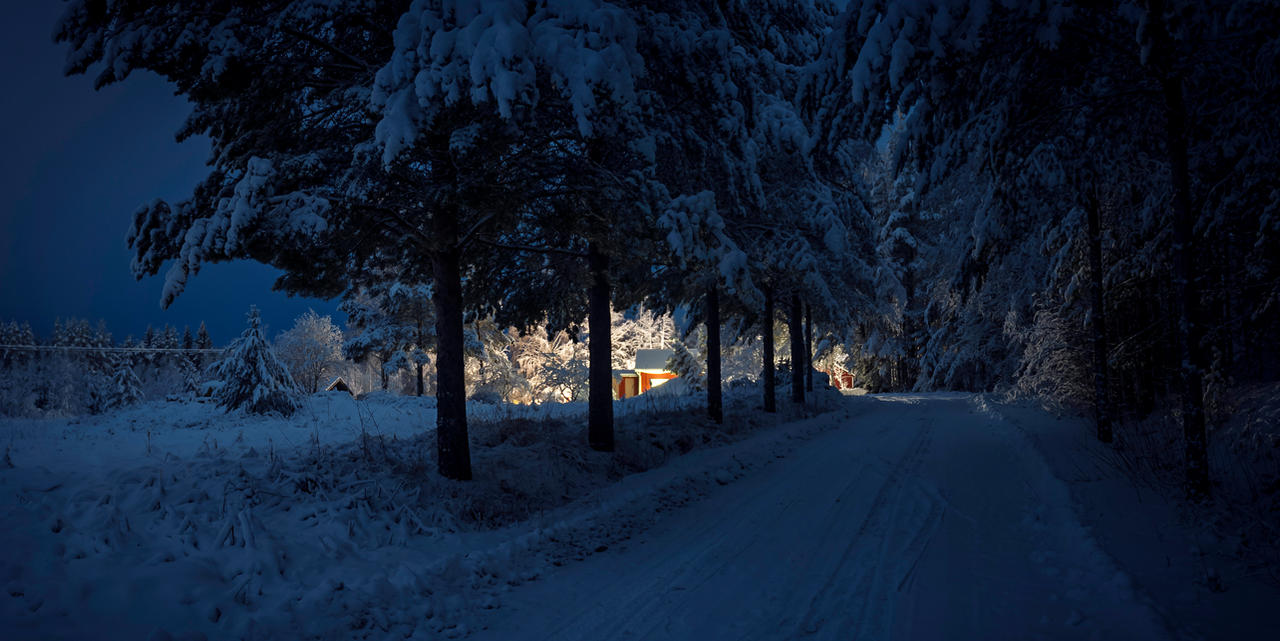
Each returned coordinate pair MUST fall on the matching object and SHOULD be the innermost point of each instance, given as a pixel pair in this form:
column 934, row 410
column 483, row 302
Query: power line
column 109, row 350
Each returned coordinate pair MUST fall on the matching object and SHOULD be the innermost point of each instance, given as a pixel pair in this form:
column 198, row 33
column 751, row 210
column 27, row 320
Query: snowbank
column 1195, row 564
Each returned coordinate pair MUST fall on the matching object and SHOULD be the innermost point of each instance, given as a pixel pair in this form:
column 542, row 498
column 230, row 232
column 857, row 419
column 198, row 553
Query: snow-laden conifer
column 252, row 377
column 126, row 388
column 686, row 364
column 394, row 324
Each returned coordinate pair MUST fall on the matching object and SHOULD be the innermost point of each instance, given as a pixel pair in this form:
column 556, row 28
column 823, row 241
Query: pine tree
column 203, row 341
column 440, row 140
column 11, row 333
column 687, row 364
column 1047, row 132
column 394, row 323
column 128, row 389
column 168, row 340
column 407, row 196
column 253, row 377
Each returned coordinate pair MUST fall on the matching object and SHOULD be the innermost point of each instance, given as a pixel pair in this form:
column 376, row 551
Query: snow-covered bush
column 253, row 377
column 740, row 361
column 311, row 349
column 1056, row 364
column 1244, row 456
column 688, row 365
column 563, row 380
column 554, row 364
column 491, row 371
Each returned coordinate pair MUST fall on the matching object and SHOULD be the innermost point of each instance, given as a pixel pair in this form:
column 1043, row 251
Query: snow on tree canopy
column 393, row 322
column 252, row 377
column 493, row 51
column 126, row 387
column 696, row 234
column 252, row 209
column 879, row 55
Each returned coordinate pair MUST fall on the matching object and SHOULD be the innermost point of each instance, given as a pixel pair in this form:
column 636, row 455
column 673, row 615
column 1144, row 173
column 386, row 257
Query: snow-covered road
column 920, row 519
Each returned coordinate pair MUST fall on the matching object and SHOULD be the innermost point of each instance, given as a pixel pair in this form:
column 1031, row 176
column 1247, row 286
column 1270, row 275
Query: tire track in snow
column 848, row 538
column 879, row 558
column 718, row 545
column 649, row 586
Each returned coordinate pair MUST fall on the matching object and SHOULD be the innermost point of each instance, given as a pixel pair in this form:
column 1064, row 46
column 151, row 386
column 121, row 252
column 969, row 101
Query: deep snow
column 908, row 516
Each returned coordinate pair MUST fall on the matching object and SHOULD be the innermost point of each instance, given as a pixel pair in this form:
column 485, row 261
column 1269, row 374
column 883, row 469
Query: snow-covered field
column 332, row 523
column 910, row 516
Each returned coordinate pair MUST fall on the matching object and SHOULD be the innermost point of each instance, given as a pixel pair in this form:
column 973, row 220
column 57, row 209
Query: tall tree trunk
column 808, row 347
column 715, row 406
column 909, row 365
column 903, row 368
column 1149, row 384
column 1227, row 341
column 770, row 377
column 1101, row 399
column 796, row 330
column 382, row 373
column 600, row 348
column 422, row 342
column 453, row 453
column 1193, row 421
column 421, row 384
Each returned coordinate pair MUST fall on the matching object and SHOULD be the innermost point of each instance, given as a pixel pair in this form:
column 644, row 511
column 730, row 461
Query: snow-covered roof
column 653, row 360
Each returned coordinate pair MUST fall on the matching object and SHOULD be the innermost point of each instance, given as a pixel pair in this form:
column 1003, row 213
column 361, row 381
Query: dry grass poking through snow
column 346, row 538
column 523, row 467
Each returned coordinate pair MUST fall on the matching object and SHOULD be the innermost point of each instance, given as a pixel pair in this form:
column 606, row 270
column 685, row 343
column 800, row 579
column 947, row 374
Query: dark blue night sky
column 77, row 163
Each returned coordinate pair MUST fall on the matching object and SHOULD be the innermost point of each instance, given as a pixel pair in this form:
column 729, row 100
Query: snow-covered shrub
column 390, row 324
column 687, row 365
column 486, row 394
column 740, row 361
column 311, row 349
column 252, row 377
column 98, row 388
column 1244, row 461
column 489, row 365
column 1056, row 364
column 563, row 380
